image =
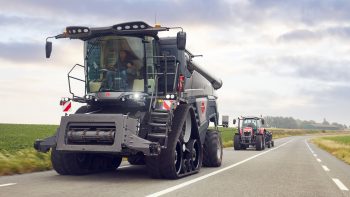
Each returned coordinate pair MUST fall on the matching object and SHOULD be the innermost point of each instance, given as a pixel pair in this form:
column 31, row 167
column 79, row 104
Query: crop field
column 14, row 137
column 338, row 146
column 339, row 139
column 17, row 154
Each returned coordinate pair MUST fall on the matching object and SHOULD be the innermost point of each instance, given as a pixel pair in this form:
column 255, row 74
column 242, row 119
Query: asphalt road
column 293, row 168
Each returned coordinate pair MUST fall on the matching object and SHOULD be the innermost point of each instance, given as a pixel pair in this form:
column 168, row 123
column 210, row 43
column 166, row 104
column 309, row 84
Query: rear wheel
column 259, row 142
column 272, row 143
column 212, row 152
column 237, row 142
column 263, row 142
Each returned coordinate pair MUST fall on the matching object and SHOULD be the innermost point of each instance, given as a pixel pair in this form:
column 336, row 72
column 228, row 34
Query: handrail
column 69, row 77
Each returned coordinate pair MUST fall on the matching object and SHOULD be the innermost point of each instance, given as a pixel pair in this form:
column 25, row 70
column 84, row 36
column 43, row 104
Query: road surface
column 293, row 167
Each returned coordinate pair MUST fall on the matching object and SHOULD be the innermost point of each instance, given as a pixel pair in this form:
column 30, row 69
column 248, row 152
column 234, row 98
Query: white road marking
column 309, row 148
column 340, row 184
column 7, row 184
column 315, row 155
column 325, row 168
column 184, row 184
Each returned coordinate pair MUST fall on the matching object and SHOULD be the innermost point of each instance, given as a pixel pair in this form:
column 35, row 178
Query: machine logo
column 203, row 107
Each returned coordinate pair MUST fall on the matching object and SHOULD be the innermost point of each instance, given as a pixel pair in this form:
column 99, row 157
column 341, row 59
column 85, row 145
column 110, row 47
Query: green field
column 339, row 139
column 14, row 137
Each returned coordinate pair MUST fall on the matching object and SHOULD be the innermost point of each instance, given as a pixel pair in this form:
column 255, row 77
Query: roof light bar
column 131, row 26
column 77, row 30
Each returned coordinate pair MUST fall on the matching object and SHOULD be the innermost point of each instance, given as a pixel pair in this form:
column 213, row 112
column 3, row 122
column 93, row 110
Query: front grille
column 247, row 133
column 90, row 133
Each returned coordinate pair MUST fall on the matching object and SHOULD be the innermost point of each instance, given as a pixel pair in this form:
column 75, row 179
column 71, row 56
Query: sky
column 276, row 58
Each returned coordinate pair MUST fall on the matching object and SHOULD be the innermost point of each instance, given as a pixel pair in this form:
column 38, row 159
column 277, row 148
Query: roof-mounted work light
column 138, row 25
column 77, row 31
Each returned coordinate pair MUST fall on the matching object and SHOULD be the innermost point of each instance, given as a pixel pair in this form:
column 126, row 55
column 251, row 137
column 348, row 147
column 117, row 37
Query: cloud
column 310, row 12
column 169, row 11
column 21, row 52
column 318, row 68
column 302, row 35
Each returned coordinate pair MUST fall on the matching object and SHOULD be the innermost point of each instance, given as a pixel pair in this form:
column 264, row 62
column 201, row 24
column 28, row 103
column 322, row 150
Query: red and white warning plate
column 66, row 106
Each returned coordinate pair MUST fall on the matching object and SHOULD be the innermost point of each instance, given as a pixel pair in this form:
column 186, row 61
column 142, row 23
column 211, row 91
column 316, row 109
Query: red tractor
column 251, row 132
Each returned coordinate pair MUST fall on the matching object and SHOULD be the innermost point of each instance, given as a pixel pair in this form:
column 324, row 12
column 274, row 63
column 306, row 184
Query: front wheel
column 212, row 152
column 236, row 142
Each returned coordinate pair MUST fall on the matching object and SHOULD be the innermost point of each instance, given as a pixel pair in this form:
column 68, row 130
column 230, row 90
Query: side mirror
column 48, row 49
column 181, row 40
column 262, row 121
column 234, row 121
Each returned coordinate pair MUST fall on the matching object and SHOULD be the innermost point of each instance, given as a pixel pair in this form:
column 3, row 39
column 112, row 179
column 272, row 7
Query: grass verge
column 339, row 146
column 17, row 154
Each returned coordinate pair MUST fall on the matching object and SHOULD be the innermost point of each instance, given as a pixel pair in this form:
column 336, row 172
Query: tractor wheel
column 259, row 142
column 71, row 163
column 212, row 152
column 269, row 144
column 236, row 142
column 138, row 159
column 272, row 143
column 263, row 142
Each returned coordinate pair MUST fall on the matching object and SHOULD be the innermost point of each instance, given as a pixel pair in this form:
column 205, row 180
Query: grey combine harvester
column 145, row 99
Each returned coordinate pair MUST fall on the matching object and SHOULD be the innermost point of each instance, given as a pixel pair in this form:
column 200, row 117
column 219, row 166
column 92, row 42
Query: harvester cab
column 251, row 131
column 145, row 99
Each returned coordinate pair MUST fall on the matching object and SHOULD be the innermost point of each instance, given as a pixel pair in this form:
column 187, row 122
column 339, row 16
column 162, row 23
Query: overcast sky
column 275, row 57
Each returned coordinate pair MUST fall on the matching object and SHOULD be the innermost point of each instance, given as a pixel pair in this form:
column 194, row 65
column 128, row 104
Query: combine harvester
column 145, row 99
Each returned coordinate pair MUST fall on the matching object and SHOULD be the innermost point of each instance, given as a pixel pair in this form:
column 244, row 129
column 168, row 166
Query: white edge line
column 325, row 168
column 309, row 148
column 315, row 155
column 7, row 184
column 340, row 184
column 184, row 184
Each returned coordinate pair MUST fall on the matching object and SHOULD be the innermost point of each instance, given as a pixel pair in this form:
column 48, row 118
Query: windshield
column 248, row 123
column 117, row 63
